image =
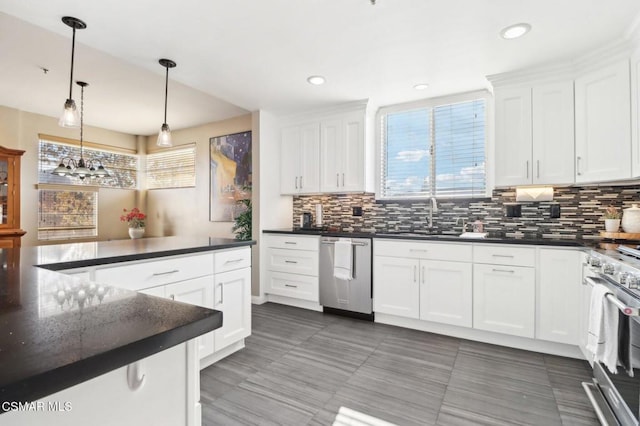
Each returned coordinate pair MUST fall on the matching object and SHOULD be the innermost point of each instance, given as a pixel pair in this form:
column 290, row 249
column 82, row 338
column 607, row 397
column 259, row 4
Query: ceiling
column 245, row 55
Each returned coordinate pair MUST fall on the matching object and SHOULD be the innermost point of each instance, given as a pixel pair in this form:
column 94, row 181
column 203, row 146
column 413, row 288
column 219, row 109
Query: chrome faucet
column 464, row 223
column 432, row 210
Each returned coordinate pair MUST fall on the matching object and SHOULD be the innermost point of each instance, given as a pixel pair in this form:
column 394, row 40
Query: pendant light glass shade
column 164, row 137
column 70, row 117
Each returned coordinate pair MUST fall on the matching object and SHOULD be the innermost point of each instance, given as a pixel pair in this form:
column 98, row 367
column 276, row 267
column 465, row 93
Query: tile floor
column 299, row 367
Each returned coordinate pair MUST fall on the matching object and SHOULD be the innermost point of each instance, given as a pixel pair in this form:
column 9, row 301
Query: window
column 172, row 168
column 122, row 166
column 67, row 213
column 433, row 150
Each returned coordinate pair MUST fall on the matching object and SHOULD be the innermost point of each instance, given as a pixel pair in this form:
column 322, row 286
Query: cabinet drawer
column 141, row 275
column 292, row 261
column 424, row 250
column 293, row 285
column 230, row 260
column 504, row 255
column 297, row 242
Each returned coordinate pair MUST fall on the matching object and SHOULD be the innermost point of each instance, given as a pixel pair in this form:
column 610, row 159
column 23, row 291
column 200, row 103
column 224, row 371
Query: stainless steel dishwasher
column 348, row 297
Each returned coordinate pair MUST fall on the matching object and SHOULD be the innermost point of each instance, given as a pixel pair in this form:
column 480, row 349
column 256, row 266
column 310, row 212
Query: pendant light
column 81, row 168
column 164, row 137
column 69, row 116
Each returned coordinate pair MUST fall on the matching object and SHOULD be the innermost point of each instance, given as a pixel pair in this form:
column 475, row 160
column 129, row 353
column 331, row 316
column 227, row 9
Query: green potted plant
column 612, row 219
column 242, row 223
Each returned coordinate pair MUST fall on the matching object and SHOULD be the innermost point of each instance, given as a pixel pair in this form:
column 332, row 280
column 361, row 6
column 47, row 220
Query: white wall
column 185, row 211
column 19, row 130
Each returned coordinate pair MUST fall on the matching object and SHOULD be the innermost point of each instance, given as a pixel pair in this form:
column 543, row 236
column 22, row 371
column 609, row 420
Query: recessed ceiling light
column 421, row 86
column 515, row 31
column 316, row 80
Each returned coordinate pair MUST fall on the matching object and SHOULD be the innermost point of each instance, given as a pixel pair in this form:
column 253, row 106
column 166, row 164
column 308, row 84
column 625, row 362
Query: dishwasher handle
column 352, row 243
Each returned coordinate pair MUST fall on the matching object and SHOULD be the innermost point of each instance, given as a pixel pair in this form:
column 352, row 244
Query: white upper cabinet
column 342, row 153
column 534, row 134
column 300, row 159
column 328, row 154
column 603, row 124
column 635, row 114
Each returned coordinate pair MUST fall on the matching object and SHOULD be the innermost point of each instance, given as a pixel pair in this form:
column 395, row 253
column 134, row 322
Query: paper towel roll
column 318, row 214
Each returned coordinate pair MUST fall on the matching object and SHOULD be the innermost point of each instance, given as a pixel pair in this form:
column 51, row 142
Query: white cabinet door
column 395, row 286
column 353, row 153
column 504, row 299
column 635, row 114
column 233, row 298
column 603, row 126
column 553, row 141
column 558, row 306
column 446, row 292
column 155, row 291
column 513, row 137
column 331, row 148
column 198, row 291
column 296, row 286
column 300, row 160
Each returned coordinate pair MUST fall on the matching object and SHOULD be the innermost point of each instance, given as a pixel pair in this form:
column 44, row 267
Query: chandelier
column 81, row 168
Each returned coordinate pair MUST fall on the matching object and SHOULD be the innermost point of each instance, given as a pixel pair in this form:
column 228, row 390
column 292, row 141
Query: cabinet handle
column 527, row 169
column 337, row 179
column 296, row 182
column 233, row 261
column 343, row 179
column 504, row 270
column 419, row 250
column 291, row 285
column 503, row 255
column 578, row 172
column 290, row 242
column 290, row 261
column 135, row 380
column 172, row 296
column 415, row 273
column 221, row 293
column 157, row 274
column 538, row 167
column 423, row 275
column 300, row 182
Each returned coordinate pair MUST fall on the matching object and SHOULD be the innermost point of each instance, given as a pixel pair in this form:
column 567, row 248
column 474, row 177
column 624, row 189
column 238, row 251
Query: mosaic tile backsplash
column 581, row 212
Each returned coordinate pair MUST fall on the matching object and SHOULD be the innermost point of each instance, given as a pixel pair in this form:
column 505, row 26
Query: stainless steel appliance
column 616, row 397
column 351, row 297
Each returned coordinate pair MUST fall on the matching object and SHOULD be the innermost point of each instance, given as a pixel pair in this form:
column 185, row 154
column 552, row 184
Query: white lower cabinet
column 558, row 298
column 168, row 394
column 504, row 299
column 446, row 292
column 395, row 289
column 233, row 298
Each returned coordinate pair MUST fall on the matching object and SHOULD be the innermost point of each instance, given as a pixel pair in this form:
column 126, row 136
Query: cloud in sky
column 412, row 156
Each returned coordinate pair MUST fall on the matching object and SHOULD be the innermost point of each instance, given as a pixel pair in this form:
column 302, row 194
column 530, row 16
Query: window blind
column 173, row 168
column 435, row 151
column 67, row 214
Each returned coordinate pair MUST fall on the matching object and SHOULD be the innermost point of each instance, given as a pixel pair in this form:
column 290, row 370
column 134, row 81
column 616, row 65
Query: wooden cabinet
column 10, row 231
column 342, row 153
column 300, row 159
column 446, row 292
column 534, row 134
column 292, row 266
column 504, row 299
column 602, row 124
column 558, row 295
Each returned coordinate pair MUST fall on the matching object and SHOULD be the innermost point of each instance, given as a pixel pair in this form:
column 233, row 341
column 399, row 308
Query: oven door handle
column 627, row 310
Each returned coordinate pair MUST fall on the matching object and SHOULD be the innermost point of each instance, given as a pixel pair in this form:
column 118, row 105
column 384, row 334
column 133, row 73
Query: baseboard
column 298, row 303
column 259, row 300
column 524, row 343
column 223, row 353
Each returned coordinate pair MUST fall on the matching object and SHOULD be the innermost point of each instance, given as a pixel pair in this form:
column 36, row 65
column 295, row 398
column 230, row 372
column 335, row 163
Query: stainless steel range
column 616, row 397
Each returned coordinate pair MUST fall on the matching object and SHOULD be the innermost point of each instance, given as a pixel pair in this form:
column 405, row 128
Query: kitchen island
column 80, row 343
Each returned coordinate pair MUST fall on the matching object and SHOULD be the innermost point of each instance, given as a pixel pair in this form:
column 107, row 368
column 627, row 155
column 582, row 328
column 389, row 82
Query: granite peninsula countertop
column 57, row 331
column 492, row 237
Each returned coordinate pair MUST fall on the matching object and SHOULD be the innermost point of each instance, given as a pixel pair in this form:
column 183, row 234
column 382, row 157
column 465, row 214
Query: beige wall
column 19, row 130
column 185, row 211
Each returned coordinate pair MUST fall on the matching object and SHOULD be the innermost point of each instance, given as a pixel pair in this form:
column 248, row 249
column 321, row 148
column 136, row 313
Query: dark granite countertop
column 492, row 237
column 57, row 331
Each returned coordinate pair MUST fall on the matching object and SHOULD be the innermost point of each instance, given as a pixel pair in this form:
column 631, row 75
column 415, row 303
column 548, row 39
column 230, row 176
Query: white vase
column 612, row 225
column 136, row 233
column 631, row 219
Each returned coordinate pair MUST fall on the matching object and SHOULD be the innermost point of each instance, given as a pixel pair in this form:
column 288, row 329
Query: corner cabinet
column 534, row 134
column 10, row 231
column 603, row 124
column 326, row 152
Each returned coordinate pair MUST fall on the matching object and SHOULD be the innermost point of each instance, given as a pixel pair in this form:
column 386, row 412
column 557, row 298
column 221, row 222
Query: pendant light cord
column 81, row 119
column 73, row 49
column 166, row 94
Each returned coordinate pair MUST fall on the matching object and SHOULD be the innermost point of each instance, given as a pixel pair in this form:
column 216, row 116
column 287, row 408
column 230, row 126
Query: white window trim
column 430, row 103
